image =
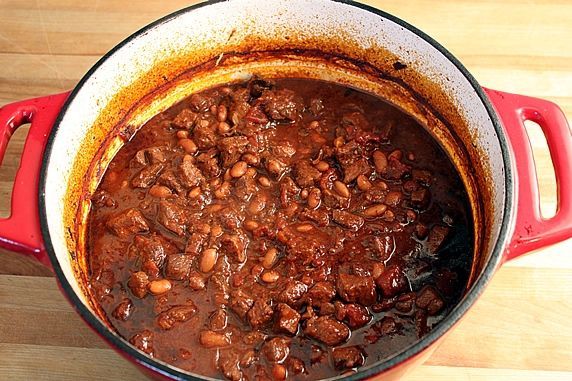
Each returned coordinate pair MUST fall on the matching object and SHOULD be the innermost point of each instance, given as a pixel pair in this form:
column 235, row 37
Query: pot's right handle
column 532, row 231
column 20, row 232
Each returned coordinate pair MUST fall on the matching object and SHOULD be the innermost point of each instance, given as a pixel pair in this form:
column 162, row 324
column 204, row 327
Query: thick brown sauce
column 417, row 253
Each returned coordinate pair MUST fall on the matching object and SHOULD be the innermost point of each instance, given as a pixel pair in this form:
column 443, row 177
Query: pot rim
column 411, row 351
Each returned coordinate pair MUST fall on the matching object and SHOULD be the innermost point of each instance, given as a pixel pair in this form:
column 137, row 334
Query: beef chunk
column 255, row 119
column 319, row 216
column 347, row 220
column 178, row 314
column 421, row 323
column 405, row 302
column 350, row 157
column 295, row 365
column 137, row 283
column 127, row 222
column 178, row 266
column 292, row 293
column 143, row 341
column 218, row 320
column 282, row 149
column 230, row 218
column 392, row 281
column 240, row 302
column 245, row 188
column 260, row 313
column 195, row 244
column 348, row 357
column 151, row 155
column 305, row 174
column 153, row 247
column 428, row 299
column 288, row 190
column 235, row 246
column 386, row 326
column 147, row 176
column 231, row 148
column 357, row 289
column 208, row 163
column 190, row 175
column 282, row 104
column 356, row 315
column 171, row 180
column 123, row 310
column 258, row 86
column 185, row 119
column 354, row 121
column 201, row 102
column 172, row 216
column 396, row 169
column 421, row 176
column 286, row 319
column 437, row 235
column 420, row 198
column 321, row 292
column 334, row 200
column 276, row 349
column 305, row 247
column 102, row 282
column 327, row 330
column 240, row 104
column 229, row 364
column 354, row 169
column 383, row 246
column 204, row 136
column 102, row 198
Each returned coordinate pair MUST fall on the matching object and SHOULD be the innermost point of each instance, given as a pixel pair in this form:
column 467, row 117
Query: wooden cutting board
column 519, row 330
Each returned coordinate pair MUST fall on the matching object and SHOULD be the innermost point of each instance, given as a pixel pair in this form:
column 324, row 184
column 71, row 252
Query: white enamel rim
column 469, row 93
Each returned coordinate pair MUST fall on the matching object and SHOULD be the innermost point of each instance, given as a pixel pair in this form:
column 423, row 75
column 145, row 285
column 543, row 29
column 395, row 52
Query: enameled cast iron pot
column 74, row 135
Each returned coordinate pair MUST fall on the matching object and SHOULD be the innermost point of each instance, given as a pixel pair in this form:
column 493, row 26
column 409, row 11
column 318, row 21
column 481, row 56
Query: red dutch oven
column 74, row 135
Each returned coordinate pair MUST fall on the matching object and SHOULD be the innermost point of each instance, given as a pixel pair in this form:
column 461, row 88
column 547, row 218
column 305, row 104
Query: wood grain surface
column 519, row 330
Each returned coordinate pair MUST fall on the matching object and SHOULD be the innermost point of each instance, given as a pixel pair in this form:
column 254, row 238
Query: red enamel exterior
column 532, row 231
column 21, row 231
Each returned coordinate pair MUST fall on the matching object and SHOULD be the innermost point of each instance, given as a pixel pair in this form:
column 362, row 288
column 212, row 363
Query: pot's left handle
column 20, row 232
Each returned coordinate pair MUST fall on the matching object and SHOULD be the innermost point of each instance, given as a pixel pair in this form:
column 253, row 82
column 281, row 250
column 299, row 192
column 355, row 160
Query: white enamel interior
column 212, row 24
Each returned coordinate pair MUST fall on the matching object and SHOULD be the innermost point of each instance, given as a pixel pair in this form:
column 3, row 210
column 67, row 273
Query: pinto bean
column 223, row 127
column 341, row 189
column 160, row 191
column 188, row 146
column 363, row 183
column 222, row 113
column 250, row 225
column 211, row 339
column 264, row 181
column 270, row 258
column 270, row 276
column 375, row 210
column 314, row 198
column 158, row 287
column 322, row 166
column 208, row 260
column 379, row 161
column 250, row 158
column 182, row 134
column 238, row 169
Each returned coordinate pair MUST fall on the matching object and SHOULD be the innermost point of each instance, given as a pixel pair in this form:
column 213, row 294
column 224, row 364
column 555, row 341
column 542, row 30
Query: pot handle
column 20, row 232
column 532, row 231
